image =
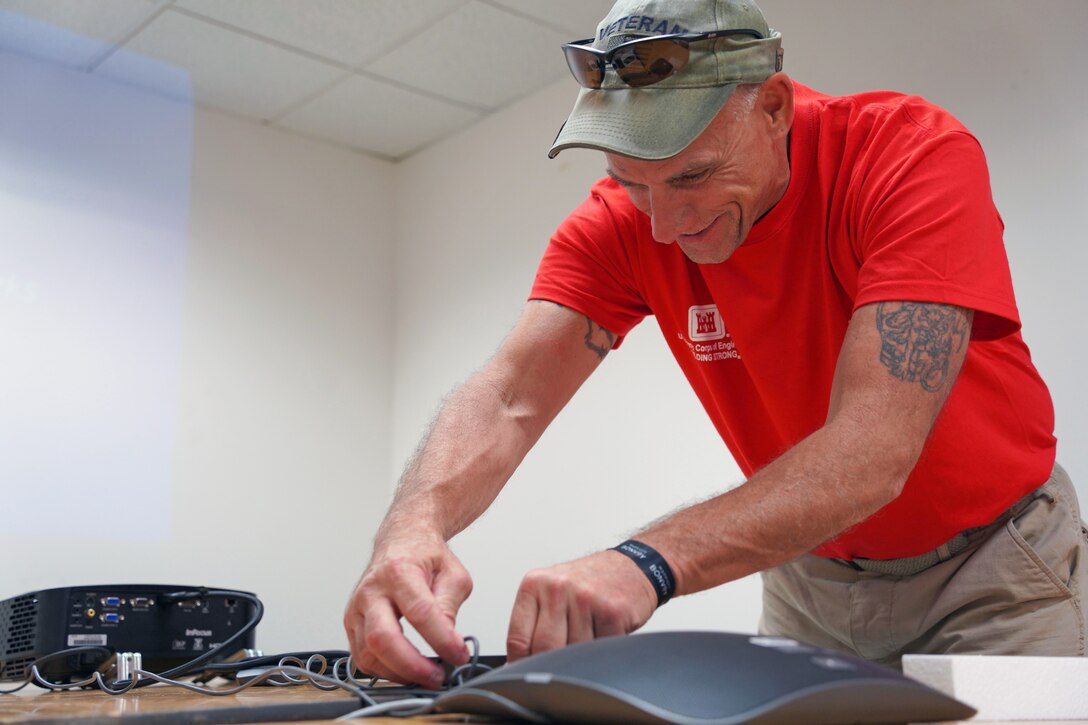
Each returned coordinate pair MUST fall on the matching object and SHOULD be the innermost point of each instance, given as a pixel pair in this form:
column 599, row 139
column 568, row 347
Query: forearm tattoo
column 598, row 339
column 917, row 340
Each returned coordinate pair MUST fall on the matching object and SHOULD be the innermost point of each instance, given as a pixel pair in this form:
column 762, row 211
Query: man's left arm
column 897, row 365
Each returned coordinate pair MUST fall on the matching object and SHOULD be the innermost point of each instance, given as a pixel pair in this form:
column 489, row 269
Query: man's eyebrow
column 617, row 178
column 693, row 169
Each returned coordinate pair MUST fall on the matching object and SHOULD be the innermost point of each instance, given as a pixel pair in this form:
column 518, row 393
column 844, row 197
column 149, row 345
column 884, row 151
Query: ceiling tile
column 372, row 116
column 448, row 62
column 479, row 55
column 70, row 32
column 578, row 17
column 347, row 31
column 229, row 71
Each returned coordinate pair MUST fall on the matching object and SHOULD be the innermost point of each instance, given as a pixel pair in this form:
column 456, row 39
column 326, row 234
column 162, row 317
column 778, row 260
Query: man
column 830, row 275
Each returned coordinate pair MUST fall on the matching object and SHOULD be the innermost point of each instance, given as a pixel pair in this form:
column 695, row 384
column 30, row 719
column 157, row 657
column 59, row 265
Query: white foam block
column 1008, row 688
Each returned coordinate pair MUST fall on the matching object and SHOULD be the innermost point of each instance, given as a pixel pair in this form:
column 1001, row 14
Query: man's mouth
column 702, row 235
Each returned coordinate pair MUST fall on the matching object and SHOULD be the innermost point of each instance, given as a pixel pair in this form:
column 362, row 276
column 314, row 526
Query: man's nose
column 667, row 216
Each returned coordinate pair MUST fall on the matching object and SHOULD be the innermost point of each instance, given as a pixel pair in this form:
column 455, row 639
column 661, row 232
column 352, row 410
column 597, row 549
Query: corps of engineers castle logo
column 707, row 337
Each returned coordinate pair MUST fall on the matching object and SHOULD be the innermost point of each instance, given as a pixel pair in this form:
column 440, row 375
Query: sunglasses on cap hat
column 641, row 62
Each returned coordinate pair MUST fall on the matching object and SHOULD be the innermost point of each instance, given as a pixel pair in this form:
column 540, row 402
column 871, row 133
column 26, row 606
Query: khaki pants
column 1017, row 589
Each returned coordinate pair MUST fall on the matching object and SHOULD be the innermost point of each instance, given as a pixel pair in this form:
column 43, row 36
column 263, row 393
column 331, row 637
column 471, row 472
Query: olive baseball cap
column 658, row 121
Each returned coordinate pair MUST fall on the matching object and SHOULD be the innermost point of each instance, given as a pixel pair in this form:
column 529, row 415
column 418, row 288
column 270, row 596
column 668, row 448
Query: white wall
column 474, row 214
column 286, row 374
column 284, row 390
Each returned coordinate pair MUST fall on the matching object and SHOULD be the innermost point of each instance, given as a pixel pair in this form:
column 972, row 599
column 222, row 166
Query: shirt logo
column 704, row 323
column 708, row 339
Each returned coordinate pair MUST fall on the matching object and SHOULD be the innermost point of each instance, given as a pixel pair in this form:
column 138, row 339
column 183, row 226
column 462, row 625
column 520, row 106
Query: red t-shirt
column 889, row 199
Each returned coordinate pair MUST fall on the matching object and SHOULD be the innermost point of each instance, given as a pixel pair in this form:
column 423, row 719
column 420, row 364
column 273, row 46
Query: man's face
column 707, row 197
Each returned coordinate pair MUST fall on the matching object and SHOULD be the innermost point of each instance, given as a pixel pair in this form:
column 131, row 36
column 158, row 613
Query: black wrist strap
column 653, row 565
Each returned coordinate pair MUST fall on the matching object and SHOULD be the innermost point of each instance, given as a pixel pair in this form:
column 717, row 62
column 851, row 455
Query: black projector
column 168, row 625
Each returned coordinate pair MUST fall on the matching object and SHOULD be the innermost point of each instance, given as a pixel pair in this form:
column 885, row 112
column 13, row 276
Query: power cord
column 34, row 675
column 195, row 663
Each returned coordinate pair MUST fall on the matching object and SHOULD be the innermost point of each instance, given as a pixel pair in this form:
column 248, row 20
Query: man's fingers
column 578, row 601
column 551, row 620
column 393, row 653
column 452, row 587
column 369, row 666
column 355, row 626
column 580, row 621
column 417, row 578
column 519, row 637
column 432, row 620
column 540, row 617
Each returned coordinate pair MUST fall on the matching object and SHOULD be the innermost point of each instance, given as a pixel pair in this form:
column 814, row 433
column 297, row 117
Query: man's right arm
column 479, row 437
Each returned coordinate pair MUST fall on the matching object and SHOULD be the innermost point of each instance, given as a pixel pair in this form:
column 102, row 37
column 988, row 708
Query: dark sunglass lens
column 650, row 61
column 584, row 66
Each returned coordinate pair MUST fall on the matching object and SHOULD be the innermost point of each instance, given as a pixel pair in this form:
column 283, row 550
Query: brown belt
column 911, row 565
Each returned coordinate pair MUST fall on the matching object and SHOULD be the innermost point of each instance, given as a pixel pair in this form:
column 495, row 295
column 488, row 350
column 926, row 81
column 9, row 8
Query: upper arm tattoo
column 918, row 340
column 598, row 339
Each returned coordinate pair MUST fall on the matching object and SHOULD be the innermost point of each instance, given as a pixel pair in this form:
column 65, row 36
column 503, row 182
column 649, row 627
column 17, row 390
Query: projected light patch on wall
column 94, row 202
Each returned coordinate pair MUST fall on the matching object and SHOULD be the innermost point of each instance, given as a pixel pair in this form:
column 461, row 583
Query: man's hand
column 417, row 578
column 596, row 596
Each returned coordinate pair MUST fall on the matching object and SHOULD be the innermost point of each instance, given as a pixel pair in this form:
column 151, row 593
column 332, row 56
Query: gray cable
column 16, row 689
column 395, row 708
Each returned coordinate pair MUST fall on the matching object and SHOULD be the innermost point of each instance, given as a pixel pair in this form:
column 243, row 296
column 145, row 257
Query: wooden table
column 160, row 704
column 157, row 705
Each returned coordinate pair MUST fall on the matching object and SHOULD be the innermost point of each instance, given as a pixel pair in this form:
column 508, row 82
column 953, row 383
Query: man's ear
column 775, row 102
